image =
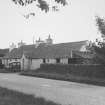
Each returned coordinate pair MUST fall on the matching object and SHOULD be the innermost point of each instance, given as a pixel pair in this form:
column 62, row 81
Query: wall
column 53, row 61
column 25, row 63
column 35, row 64
column 5, row 62
column 64, row 60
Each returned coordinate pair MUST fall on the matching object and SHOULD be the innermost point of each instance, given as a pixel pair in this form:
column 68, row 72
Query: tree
column 42, row 4
column 99, row 46
column 100, row 22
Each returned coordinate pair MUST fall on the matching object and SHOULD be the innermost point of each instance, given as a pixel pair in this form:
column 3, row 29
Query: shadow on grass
column 10, row 97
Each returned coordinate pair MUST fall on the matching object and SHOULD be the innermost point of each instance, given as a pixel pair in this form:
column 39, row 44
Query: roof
column 52, row 51
column 3, row 52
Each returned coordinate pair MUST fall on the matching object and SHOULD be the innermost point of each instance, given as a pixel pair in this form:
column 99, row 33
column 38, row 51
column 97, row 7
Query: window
column 44, row 60
column 47, row 60
column 72, row 61
column 57, row 60
column 69, row 60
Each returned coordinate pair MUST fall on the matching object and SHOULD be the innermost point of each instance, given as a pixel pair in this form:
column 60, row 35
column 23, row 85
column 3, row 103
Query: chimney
column 11, row 47
column 21, row 44
column 49, row 40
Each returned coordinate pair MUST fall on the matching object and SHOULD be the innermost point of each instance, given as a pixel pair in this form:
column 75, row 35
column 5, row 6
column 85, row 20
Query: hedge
column 91, row 71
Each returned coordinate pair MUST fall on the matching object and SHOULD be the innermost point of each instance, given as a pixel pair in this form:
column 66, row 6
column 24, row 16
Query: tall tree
column 99, row 46
column 100, row 22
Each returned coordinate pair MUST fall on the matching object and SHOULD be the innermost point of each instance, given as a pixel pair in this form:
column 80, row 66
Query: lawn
column 10, row 97
column 8, row 71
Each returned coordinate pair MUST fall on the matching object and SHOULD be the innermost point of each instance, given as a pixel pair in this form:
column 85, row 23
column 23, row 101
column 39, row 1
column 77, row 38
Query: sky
column 75, row 22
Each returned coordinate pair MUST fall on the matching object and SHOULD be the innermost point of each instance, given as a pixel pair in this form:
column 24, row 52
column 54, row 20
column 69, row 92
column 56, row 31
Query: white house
column 31, row 57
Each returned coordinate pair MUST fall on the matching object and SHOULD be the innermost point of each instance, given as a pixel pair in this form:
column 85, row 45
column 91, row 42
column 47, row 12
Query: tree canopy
column 42, row 4
column 100, row 22
column 99, row 46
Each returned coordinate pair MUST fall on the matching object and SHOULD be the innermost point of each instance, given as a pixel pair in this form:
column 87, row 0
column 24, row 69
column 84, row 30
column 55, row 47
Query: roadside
column 10, row 97
column 65, row 77
column 65, row 93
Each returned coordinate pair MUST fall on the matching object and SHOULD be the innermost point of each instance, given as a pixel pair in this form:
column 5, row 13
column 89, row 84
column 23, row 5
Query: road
column 65, row 93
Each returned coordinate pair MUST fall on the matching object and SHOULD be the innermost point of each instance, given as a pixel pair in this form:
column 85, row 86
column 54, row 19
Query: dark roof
column 53, row 51
column 3, row 52
column 15, row 53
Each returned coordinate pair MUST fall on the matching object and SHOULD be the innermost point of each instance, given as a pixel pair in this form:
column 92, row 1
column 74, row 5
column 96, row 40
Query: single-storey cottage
column 30, row 57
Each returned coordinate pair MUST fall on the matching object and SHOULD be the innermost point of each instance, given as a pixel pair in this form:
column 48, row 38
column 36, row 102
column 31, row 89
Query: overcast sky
column 75, row 22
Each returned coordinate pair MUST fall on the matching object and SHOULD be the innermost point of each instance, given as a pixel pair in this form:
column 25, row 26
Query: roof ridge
column 54, row 50
column 71, row 42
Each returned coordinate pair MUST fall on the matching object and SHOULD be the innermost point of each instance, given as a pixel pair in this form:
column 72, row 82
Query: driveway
column 66, row 93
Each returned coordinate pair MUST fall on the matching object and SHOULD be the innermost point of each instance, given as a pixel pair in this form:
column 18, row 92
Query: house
column 3, row 52
column 30, row 57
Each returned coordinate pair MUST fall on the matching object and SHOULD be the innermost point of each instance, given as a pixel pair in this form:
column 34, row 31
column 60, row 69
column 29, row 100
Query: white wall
column 53, row 61
column 25, row 63
column 64, row 60
column 36, row 63
column 5, row 62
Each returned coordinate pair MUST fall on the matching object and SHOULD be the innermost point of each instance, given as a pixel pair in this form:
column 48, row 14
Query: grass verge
column 8, row 71
column 10, row 97
column 65, row 77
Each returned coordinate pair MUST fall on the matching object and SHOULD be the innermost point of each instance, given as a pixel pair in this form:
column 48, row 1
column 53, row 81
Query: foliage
column 100, row 22
column 99, row 46
column 42, row 4
column 99, row 54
